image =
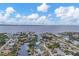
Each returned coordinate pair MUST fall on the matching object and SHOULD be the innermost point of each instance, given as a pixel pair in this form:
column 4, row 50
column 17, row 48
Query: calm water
column 23, row 50
column 46, row 28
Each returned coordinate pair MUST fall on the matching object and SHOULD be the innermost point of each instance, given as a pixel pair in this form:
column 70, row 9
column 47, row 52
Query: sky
column 39, row 13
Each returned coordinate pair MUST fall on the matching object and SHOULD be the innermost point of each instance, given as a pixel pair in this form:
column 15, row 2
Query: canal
column 23, row 50
column 24, row 47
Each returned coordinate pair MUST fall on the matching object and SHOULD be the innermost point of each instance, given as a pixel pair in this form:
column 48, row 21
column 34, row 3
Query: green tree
column 2, row 38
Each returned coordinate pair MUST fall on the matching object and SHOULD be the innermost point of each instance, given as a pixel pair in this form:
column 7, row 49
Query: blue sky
column 27, row 8
column 39, row 13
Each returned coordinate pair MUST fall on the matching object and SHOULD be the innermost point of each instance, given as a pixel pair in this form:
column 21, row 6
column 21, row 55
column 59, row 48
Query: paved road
column 10, row 40
column 5, row 45
column 47, row 49
column 71, row 45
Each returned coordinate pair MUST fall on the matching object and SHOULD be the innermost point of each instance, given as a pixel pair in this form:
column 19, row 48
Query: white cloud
column 2, row 17
column 33, row 16
column 10, row 10
column 8, row 17
column 49, row 15
column 5, row 15
column 18, row 15
column 41, row 20
column 38, row 20
column 44, row 20
column 43, row 8
column 68, row 15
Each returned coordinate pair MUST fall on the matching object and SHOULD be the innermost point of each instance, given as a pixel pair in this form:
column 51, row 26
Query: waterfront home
column 66, row 38
column 64, row 46
column 58, row 52
column 6, row 51
column 75, row 42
